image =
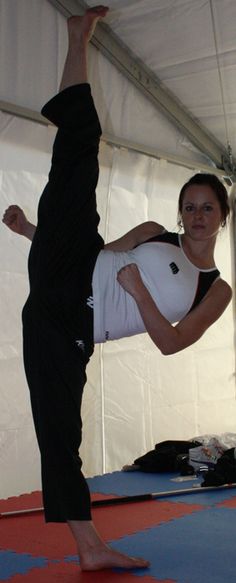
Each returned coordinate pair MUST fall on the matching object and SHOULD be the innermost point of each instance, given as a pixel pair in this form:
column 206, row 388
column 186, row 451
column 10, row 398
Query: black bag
column 224, row 471
column 166, row 457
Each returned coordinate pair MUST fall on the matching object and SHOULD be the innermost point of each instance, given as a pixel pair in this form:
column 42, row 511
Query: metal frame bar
column 23, row 112
column 136, row 71
column 31, row 115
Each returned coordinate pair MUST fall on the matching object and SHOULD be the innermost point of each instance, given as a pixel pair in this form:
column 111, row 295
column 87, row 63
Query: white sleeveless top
column 175, row 284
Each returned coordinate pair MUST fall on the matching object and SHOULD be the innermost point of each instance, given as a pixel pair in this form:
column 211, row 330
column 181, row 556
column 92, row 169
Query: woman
column 67, row 265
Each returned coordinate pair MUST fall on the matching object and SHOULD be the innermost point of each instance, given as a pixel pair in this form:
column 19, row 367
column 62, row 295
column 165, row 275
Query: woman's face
column 201, row 213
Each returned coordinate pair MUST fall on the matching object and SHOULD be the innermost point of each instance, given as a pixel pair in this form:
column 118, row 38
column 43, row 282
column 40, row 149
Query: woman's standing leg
column 94, row 554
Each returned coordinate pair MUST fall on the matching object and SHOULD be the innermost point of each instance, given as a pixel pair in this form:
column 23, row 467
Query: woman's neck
column 200, row 253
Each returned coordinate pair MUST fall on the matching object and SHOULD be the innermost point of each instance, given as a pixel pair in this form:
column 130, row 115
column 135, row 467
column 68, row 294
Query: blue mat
column 134, row 483
column 184, row 544
column 199, row 548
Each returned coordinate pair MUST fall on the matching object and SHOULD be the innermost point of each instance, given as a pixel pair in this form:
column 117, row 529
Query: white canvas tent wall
column 134, row 397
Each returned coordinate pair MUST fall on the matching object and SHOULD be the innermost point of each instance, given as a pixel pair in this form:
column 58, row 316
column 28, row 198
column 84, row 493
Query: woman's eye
column 208, row 207
column 189, row 208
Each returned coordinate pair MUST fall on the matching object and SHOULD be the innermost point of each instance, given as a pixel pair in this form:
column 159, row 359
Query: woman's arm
column 136, row 236
column 14, row 218
column 171, row 339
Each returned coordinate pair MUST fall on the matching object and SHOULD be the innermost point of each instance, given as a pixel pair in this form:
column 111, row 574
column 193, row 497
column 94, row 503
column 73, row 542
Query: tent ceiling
column 181, row 55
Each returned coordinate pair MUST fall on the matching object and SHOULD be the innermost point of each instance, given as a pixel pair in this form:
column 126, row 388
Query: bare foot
column 82, row 27
column 107, row 558
column 94, row 554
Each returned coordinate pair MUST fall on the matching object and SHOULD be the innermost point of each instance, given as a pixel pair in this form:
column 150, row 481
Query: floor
column 188, row 537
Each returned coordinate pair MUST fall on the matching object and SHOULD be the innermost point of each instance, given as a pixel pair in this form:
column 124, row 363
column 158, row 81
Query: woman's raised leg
column 80, row 31
column 93, row 553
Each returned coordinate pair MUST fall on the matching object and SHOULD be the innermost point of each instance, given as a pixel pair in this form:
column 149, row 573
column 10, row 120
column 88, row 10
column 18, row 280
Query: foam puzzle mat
column 188, row 538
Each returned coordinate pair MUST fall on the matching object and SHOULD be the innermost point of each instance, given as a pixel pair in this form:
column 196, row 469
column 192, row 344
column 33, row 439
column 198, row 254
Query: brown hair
column 218, row 189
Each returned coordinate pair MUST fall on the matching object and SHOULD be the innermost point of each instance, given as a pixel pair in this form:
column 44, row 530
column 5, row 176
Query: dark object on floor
column 168, row 456
column 224, row 471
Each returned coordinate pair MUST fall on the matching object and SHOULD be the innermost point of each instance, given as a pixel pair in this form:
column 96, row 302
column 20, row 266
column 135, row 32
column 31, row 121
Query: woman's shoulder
column 165, row 236
column 225, row 286
column 223, row 289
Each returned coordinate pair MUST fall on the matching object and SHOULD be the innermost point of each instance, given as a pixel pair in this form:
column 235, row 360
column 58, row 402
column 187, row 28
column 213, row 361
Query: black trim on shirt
column 205, row 280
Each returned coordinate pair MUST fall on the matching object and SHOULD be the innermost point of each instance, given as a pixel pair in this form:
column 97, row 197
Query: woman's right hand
column 14, row 218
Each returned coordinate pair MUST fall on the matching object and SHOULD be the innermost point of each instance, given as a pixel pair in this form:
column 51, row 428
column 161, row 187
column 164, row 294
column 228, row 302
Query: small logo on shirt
column 174, row 267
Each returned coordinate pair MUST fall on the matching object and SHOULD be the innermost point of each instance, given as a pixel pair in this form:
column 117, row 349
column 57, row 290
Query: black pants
column 57, row 319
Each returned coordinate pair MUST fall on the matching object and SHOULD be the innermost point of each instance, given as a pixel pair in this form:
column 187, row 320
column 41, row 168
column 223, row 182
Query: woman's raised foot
column 82, row 27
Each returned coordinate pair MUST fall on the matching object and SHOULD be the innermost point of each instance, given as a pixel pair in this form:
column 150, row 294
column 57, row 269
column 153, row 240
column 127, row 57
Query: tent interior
column 163, row 76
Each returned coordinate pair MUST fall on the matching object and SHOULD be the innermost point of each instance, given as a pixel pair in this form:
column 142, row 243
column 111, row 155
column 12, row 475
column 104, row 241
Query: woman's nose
column 198, row 213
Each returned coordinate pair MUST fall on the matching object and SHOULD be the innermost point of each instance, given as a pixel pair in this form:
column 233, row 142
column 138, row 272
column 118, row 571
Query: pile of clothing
column 214, row 456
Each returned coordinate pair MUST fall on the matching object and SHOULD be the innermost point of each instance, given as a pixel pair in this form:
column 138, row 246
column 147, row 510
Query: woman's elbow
column 171, row 346
column 167, row 349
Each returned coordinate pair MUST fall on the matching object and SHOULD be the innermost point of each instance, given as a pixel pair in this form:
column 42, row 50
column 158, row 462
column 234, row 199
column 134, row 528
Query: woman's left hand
column 130, row 279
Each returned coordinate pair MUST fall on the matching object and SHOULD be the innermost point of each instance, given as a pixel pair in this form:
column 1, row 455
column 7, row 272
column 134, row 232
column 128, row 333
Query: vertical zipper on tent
column 229, row 148
column 102, row 408
column 102, row 346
